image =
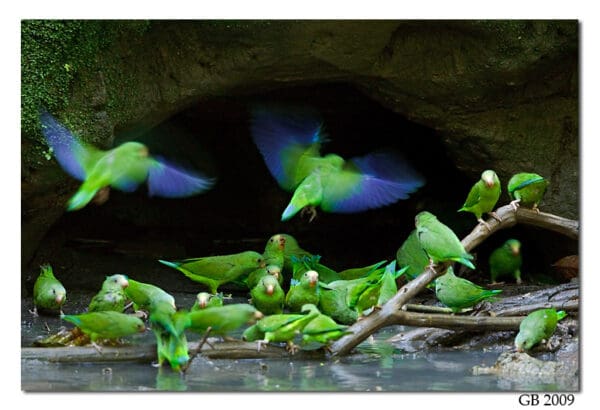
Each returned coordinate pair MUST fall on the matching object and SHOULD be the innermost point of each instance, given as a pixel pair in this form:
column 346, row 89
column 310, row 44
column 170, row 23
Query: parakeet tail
column 80, row 199
column 561, row 314
column 465, row 262
column 289, row 212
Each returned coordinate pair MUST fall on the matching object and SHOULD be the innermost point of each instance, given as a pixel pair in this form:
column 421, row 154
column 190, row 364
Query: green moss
column 54, row 53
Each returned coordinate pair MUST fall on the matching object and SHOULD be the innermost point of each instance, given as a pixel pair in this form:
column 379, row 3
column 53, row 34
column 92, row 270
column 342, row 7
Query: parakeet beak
column 59, row 298
column 125, row 284
column 313, row 278
column 144, row 152
column 515, row 250
column 202, row 304
column 258, row 315
column 489, row 182
column 270, row 289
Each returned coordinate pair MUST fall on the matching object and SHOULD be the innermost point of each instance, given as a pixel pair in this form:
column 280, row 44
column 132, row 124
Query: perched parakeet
column 411, row 254
column 333, row 302
column 274, row 252
column 213, row 271
column 267, row 296
column 527, row 189
column 124, row 167
column 223, row 320
column 255, row 276
column 280, row 328
column 355, row 273
column 205, row 300
column 290, row 143
column 459, row 293
column 292, row 249
column 106, row 325
column 483, row 196
column 320, row 331
column 303, row 291
column 144, row 295
column 111, row 296
column 506, row 260
column 536, row 327
column 49, row 295
column 440, row 242
column 367, row 293
column 389, row 287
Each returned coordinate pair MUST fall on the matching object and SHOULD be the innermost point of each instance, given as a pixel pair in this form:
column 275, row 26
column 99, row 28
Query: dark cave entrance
column 131, row 231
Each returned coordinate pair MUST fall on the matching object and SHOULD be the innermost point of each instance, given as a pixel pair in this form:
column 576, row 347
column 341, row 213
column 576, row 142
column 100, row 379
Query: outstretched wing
column 286, row 138
column 171, row 181
column 368, row 182
column 73, row 155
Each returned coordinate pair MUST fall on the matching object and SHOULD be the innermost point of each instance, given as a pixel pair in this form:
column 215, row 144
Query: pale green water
column 375, row 367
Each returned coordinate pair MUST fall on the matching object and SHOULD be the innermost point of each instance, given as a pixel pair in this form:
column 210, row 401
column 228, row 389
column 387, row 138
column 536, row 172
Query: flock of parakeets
column 292, row 294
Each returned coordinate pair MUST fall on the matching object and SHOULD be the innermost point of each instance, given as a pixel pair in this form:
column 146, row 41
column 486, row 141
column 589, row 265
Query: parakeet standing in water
column 111, row 296
column 536, row 327
column 267, row 296
column 483, row 196
column 440, row 242
column 173, row 347
column 223, row 320
column 320, row 331
column 527, row 189
column 106, row 325
column 49, row 295
column 124, row 167
column 303, row 292
column 506, row 260
column 213, row 271
column 205, row 300
column 459, row 293
column 290, row 143
column 411, row 254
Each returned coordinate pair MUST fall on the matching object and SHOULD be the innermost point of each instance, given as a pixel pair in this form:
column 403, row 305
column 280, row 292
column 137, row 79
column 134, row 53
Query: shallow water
column 376, row 366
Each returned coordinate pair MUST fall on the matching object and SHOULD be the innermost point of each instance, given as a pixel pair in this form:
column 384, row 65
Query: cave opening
column 131, row 231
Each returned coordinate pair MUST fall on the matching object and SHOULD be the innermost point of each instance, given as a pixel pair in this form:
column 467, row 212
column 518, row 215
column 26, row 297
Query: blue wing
column 375, row 180
column 171, row 181
column 283, row 136
column 71, row 153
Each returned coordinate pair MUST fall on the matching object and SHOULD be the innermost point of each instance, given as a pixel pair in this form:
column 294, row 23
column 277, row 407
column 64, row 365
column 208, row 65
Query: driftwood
column 147, row 353
column 391, row 313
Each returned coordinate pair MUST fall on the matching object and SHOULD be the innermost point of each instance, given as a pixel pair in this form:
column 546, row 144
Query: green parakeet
column 305, row 263
column 292, row 249
column 483, row 196
column 274, row 252
column 49, row 295
column 267, row 296
column 355, row 273
column 205, row 300
column 290, row 143
column 333, row 302
column 411, row 254
column 255, row 276
column 459, row 293
column 506, row 260
column 280, row 328
column 106, row 325
column 536, row 327
column 527, row 189
column 223, row 320
column 321, row 331
column 124, row 167
column 367, row 293
column 144, row 295
column 172, row 345
column 111, row 296
column 213, row 271
column 439, row 241
column 303, row 291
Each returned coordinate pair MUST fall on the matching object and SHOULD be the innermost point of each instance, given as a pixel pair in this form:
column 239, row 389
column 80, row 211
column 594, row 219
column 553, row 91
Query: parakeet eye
column 54, row 291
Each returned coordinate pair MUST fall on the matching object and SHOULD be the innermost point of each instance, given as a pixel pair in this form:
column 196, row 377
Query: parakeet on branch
column 459, row 293
column 527, row 189
column 483, row 196
column 320, row 331
column 439, row 241
column 536, row 327
column 124, row 167
column 49, row 295
column 506, row 260
column 290, row 143
column 411, row 254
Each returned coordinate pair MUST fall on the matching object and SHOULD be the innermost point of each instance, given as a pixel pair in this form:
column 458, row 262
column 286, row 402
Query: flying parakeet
column 506, row 260
column 411, row 254
column 111, row 296
column 106, row 325
column 124, row 167
column 267, row 296
column 223, row 320
column 440, row 242
column 527, row 189
column 49, row 295
column 320, row 331
column 255, row 276
column 290, row 143
column 205, row 300
column 213, row 271
column 459, row 293
column 536, row 327
column 280, row 328
column 303, row 292
column 483, row 196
